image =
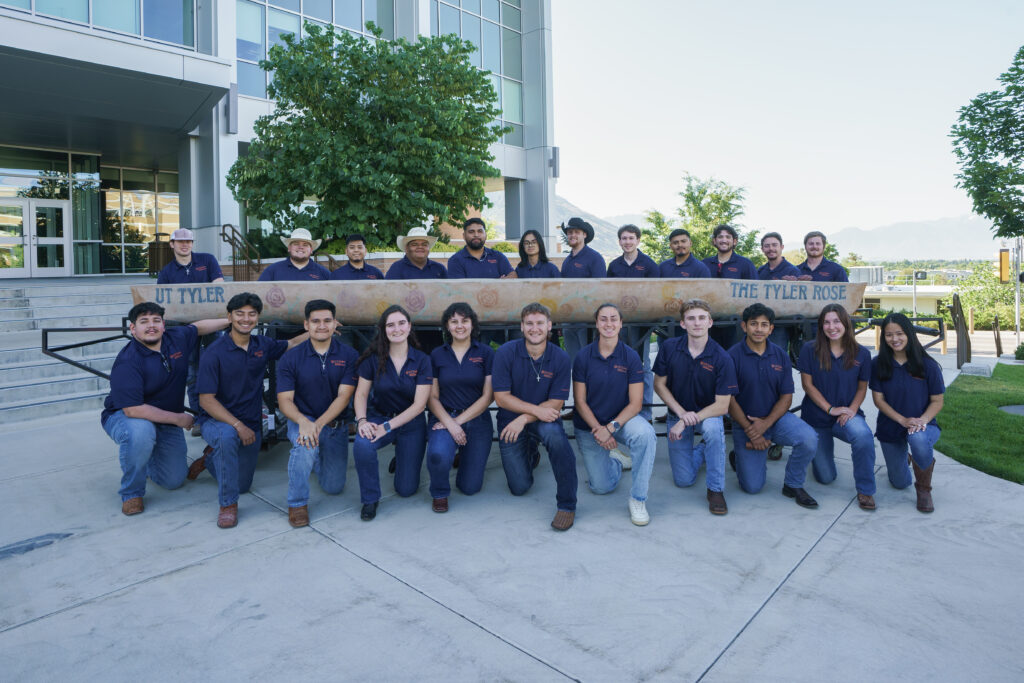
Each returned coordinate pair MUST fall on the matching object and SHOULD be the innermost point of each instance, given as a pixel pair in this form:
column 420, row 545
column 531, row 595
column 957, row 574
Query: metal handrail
column 246, row 262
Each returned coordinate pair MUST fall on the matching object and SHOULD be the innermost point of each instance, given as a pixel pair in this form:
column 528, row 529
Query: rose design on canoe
column 487, row 297
column 276, row 297
column 673, row 306
column 415, row 301
column 629, row 303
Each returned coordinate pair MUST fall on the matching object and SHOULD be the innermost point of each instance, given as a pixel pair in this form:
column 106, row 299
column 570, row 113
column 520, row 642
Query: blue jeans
column 147, row 449
column 790, row 430
column 604, row 471
column 190, row 380
column 862, row 444
column 410, row 441
column 575, row 335
column 441, row 449
column 686, row 460
column 921, row 450
column 329, row 460
column 230, row 463
column 516, row 461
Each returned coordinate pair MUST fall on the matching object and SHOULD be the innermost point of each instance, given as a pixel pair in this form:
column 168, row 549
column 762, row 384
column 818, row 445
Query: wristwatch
column 387, row 427
column 614, row 426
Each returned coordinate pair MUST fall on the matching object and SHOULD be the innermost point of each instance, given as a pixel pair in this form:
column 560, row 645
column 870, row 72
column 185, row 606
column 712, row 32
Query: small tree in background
column 982, row 291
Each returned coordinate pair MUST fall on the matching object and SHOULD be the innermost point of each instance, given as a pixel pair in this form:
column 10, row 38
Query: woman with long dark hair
column 394, row 384
column 533, row 259
column 460, row 422
column 834, row 371
column 907, row 387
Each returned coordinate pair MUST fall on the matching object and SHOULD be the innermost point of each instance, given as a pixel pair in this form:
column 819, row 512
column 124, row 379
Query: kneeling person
column 315, row 381
column 761, row 409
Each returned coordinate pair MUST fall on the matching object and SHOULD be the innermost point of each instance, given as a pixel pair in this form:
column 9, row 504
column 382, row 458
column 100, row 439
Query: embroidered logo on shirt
column 338, row 363
column 776, row 367
column 733, row 269
column 476, row 359
column 492, row 260
column 411, row 373
column 620, row 368
column 707, row 366
column 258, row 354
column 198, row 268
column 176, row 355
column 547, row 374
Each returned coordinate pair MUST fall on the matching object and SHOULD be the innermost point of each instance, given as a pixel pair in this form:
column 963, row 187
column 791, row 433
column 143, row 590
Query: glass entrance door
column 13, row 231
column 35, row 237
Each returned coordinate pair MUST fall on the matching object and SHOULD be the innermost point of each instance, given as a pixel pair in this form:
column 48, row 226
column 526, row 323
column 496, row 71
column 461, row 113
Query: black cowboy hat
column 580, row 224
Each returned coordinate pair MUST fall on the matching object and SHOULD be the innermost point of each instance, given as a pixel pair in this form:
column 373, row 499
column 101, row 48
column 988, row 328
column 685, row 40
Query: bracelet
column 360, row 420
column 236, row 424
column 829, row 411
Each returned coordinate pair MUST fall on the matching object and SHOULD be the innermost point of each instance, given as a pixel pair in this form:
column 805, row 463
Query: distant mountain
column 636, row 219
column 963, row 237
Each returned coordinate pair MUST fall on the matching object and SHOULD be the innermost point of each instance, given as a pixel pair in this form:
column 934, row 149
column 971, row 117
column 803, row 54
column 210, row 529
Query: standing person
column 531, row 382
column 817, row 267
column 461, row 424
column 682, row 263
column 727, row 264
column 635, row 264
column 231, row 395
column 533, row 258
column 608, row 385
column 356, row 268
column 315, row 382
column 764, row 376
column 394, row 384
column 695, row 377
column 777, row 268
column 582, row 262
column 416, row 264
column 476, row 260
column 300, row 264
column 144, row 412
column 907, row 387
column 834, row 370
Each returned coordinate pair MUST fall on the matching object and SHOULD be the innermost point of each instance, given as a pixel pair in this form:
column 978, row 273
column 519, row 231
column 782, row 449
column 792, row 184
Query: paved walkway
column 488, row 591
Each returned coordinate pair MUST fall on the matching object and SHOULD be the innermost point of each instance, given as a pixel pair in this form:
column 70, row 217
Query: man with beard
column 299, row 265
column 682, row 263
column 777, row 267
column 817, row 267
column 727, row 264
column 475, row 260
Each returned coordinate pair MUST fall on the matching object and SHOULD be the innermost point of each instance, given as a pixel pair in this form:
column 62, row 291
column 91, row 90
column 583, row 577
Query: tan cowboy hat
column 301, row 235
column 415, row 234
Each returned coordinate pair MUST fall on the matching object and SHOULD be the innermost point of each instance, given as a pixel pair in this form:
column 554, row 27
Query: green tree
column 654, row 239
column 989, row 148
column 982, row 291
column 853, row 259
column 384, row 135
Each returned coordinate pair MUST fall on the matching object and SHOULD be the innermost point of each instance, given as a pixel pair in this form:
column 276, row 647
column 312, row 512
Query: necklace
column 323, row 360
column 533, row 365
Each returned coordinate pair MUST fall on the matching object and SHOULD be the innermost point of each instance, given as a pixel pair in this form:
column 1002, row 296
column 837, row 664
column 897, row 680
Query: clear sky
column 830, row 114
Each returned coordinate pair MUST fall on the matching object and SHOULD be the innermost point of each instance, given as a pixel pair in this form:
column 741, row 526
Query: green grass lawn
column 974, row 430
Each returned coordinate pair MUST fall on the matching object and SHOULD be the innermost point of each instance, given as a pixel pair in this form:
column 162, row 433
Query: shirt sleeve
column 725, row 376
column 189, row 337
column 805, row 362
column 126, row 386
column 214, row 269
column 933, row 373
column 488, row 360
column 442, row 272
column 579, row 369
column 504, row 267
column 707, row 271
column 268, row 274
column 208, row 380
column 350, row 377
column 162, row 277
column 597, row 268
column 424, row 371
column 634, row 368
column 393, row 273
column 286, row 372
column 864, row 373
column 277, row 349
column 501, row 370
column 875, row 383
column 561, row 384
column 661, row 361
column 841, row 275
column 456, row 268
column 368, row 368
column 786, row 385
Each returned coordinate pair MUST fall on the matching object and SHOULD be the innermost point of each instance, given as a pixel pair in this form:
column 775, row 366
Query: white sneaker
column 627, row 461
column 638, row 512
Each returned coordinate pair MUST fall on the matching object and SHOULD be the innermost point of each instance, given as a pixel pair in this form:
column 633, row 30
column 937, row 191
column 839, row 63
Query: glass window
column 167, row 212
column 111, row 207
column 512, row 101
column 110, row 259
column 138, row 214
column 85, row 167
column 490, row 9
column 349, row 13
column 280, row 24
column 511, row 17
column 321, row 9
column 496, row 84
column 87, row 258
column 471, row 32
column 49, row 185
column 471, row 5
column 287, row 4
column 20, row 4
column 490, row 46
column 252, row 80
column 514, row 3
column 110, row 178
column 31, row 161
column 433, row 18
column 515, row 138
column 138, row 180
column 171, row 21
column 12, row 222
column 512, row 53
column 136, row 260
column 382, row 13
column 249, row 32
column 120, row 15
column 75, row 10
column 306, row 22
column 85, row 198
column 167, row 182
column 449, row 20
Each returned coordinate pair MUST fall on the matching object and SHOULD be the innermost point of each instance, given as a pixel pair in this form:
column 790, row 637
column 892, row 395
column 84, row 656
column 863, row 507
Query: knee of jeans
column 406, row 490
column 519, row 488
column 333, row 488
column 468, row 490
column 363, row 450
column 600, row 489
column 713, row 429
column 899, row 480
column 547, row 430
column 139, row 432
column 302, row 455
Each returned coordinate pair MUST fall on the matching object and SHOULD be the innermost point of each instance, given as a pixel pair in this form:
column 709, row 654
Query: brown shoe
column 228, row 516
column 132, row 506
column 866, row 502
column 198, row 465
column 298, row 516
column 923, row 484
column 563, row 520
column 440, row 505
column 716, row 502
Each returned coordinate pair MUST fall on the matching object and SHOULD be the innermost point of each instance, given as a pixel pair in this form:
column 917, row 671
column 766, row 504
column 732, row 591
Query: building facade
column 119, row 119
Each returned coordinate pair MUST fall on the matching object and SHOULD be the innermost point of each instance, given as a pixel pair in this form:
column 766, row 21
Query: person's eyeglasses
column 529, row 243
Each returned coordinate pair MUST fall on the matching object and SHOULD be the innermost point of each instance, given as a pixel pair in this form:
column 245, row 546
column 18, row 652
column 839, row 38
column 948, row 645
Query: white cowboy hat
column 301, row 235
column 415, row 234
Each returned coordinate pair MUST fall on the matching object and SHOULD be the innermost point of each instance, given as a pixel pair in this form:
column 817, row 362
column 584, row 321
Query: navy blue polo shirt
column 235, row 376
column 202, row 268
column 643, row 266
column 461, row 384
column 736, row 268
column 138, row 376
column 403, row 269
column 827, row 271
column 315, row 380
column 837, row 385
column 393, row 392
column 908, row 395
column 691, row 267
column 493, row 264
column 695, row 382
column 762, row 378
column 587, row 263
column 367, row 272
column 607, row 380
column 515, row 372
column 543, row 269
column 785, row 269
column 284, row 271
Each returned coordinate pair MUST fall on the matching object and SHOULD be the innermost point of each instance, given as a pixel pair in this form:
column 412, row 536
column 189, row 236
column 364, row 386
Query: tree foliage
column 988, row 141
column 384, row 135
column 983, row 292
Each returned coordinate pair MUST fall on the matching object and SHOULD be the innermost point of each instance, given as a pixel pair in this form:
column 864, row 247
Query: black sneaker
column 369, row 512
column 803, row 499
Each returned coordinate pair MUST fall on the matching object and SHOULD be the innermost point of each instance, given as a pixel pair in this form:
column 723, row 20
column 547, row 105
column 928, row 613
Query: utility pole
column 1016, row 298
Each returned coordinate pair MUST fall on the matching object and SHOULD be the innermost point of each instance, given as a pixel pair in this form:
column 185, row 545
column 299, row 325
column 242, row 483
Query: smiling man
column 357, row 268
column 416, row 264
column 682, row 263
column 188, row 266
column 300, row 264
column 817, row 267
column 476, row 260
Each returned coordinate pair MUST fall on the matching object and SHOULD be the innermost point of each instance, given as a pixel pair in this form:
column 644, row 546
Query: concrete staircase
column 33, row 385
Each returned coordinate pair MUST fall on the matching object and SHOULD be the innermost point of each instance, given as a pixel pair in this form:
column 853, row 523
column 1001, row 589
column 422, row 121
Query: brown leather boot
column 299, row 516
column 923, row 484
column 228, row 516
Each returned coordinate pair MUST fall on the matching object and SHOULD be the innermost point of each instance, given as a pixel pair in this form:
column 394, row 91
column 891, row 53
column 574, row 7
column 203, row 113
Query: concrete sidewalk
column 488, row 591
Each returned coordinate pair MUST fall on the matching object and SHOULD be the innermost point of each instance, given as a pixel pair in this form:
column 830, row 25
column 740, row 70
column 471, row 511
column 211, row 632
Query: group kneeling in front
column 437, row 405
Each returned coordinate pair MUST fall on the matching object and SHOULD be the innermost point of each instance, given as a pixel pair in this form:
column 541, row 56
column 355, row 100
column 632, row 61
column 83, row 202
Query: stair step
column 64, row 311
column 22, row 392
column 72, row 403
column 101, row 320
column 39, row 371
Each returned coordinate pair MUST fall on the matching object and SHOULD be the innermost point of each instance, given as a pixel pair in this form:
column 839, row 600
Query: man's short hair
column 474, row 220
column 245, row 299
column 768, row 235
column 355, row 237
column 691, row 304
column 677, row 232
column 533, row 308
column 815, row 233
column 320, row 305
column 145, row 308
column 756, row 310
column 724, row 227
column 629, row 227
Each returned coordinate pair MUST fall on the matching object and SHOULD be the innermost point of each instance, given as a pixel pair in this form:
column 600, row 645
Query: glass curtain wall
column 135, row 206
column 164, row 21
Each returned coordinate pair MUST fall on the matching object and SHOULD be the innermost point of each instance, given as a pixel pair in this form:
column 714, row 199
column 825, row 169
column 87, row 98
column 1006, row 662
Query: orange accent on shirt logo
column 707, row 366
column 620, row 368
column 547, row 374
column 411, row 373
column 258, row 354
column 176, row 355
column 776, row 368
column 476, row 359
column 338, row 363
